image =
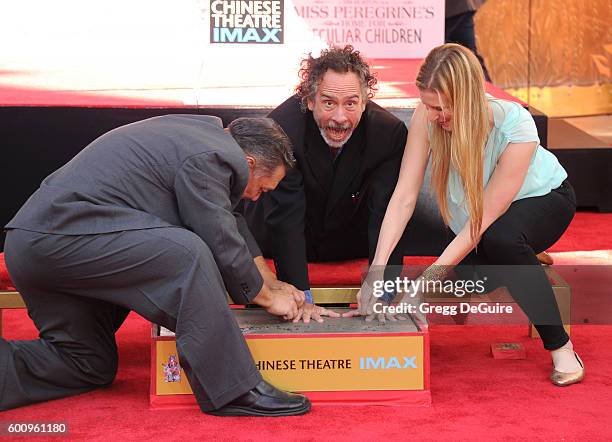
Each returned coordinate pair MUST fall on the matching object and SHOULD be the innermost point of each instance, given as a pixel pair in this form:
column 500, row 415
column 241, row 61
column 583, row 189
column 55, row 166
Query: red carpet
column 474, row 397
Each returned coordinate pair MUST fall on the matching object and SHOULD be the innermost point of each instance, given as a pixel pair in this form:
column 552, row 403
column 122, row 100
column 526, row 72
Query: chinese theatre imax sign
column 250, row 21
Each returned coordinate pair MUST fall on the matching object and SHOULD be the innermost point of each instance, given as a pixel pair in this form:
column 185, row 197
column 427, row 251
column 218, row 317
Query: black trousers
column 425, row 234
column 460, row 29
column 78, row 291
column 506, row 255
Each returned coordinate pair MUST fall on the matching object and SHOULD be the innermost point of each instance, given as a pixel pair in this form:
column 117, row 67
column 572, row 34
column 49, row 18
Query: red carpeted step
column 327, row 273
column 349, row 272
column 5, row 279
column 332, row 273
column 588, row 231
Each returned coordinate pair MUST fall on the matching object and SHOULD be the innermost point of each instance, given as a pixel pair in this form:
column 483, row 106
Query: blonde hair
column 454, row 73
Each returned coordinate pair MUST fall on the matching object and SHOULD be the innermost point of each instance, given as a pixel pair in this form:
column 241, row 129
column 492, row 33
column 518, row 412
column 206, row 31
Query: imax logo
column 250, row 35
column 382, row 363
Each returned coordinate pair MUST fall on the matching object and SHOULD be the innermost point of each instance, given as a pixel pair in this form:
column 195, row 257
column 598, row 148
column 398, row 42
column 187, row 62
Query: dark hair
column 265, row 140
column 338, row 60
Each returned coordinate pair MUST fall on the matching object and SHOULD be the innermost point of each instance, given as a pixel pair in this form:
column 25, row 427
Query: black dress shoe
column 265, row 400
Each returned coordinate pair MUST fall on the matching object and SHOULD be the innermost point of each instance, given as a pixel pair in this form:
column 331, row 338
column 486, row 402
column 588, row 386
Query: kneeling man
column 143, row 219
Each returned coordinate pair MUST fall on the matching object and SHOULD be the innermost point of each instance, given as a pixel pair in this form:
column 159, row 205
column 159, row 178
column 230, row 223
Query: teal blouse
column 512, row 124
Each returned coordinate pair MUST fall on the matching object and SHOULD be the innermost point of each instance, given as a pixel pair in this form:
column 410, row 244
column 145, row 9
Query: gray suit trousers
column 78, row 290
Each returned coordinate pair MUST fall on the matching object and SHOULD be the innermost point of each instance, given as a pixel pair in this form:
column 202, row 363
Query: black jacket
column 326, row 210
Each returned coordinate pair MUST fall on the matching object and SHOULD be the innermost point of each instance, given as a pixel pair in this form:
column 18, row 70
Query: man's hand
column 308, row 311
column 277, row 303
column 283, row 305
column 276, row 285
column 286, row 288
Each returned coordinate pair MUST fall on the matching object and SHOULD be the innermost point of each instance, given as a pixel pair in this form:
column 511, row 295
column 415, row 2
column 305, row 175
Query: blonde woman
column 503, row 195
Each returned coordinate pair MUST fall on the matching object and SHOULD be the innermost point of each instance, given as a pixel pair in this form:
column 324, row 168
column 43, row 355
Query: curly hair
column 340, row 60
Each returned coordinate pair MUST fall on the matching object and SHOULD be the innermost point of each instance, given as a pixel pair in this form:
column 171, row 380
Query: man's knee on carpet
column 97, row 369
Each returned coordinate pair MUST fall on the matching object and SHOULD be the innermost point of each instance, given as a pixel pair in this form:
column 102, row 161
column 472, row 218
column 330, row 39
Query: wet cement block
column 342, row 360
column 260, row 322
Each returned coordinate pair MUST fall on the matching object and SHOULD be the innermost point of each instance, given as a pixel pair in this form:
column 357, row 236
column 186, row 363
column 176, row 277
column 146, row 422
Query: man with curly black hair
column 348, row 152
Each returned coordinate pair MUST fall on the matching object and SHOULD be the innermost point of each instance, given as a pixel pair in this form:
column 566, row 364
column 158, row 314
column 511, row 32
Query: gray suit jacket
column 169, row 171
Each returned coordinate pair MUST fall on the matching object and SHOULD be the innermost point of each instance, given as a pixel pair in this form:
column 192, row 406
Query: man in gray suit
column 143, row 219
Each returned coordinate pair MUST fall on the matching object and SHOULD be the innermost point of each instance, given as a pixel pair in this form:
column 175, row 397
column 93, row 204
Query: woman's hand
column 370, row 294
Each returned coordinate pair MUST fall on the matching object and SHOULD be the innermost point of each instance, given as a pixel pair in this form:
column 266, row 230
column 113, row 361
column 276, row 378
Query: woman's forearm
column 458, row 249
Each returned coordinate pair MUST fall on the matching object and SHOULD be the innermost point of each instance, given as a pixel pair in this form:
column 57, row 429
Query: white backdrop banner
column 378, row 28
